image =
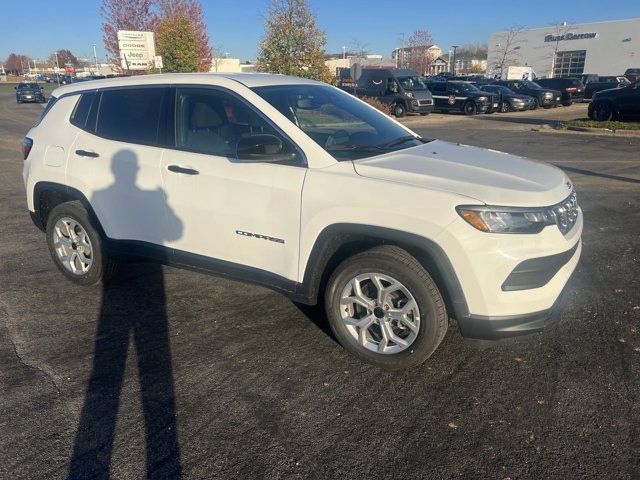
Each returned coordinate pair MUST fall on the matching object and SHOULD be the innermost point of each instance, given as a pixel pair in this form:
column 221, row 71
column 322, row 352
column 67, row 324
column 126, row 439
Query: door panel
column 245, row 213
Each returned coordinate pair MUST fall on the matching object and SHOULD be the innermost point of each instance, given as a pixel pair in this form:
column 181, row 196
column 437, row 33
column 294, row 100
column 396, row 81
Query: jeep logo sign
column 569, row 36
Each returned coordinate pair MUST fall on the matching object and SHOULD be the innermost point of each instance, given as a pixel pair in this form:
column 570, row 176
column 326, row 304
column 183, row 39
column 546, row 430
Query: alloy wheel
column 380, row 313
column 72, row 246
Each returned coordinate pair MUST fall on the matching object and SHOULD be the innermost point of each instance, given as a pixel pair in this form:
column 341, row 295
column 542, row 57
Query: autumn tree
column 64, row 56
column 176, row 42
column 292, row 43
column 506, row 52
column 192, row 10
column 417, row 52
column 16, row 63
column 138, row 15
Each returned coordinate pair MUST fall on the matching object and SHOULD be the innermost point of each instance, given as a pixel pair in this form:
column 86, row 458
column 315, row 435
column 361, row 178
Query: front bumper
column 31, row 98
column 510, row 283
column 421, row 106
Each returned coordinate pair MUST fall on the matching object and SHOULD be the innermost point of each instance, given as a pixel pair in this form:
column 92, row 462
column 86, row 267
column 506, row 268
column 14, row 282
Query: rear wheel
column 536, row 104
column 385, row 308
column 470, row 108
column 76, row 246
column 505, row 107
column 567, row 103
column 602, row 111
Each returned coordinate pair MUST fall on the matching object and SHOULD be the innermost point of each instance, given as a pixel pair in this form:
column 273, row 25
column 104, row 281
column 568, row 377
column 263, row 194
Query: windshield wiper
column 400, row 140
column 347, row 147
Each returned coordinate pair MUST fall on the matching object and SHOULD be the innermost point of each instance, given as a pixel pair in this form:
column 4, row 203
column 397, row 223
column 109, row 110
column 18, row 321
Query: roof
column 248, row 79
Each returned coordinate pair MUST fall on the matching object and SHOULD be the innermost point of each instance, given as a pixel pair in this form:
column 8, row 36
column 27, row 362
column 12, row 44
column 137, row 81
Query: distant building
column 225, row 65
column 601, row 48
column 369, row 61
column 444, row 63
column 405, row 57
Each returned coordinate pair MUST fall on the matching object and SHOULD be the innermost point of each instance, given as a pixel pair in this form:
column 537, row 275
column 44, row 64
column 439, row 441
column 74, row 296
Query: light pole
column 344, row 52
column 95, row 56
column 455, row 47
column 57, row 68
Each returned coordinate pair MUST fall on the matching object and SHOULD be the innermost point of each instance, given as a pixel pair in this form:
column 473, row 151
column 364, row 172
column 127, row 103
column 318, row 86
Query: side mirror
column 262, row 147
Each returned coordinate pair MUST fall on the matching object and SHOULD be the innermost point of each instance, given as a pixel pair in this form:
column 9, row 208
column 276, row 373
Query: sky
column 237, row 25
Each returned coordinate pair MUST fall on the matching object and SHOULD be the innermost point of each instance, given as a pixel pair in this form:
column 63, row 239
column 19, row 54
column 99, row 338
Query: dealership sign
column 569, row 36
column 137, row 49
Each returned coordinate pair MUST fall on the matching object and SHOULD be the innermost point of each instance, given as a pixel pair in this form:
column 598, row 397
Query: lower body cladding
column 512, row 284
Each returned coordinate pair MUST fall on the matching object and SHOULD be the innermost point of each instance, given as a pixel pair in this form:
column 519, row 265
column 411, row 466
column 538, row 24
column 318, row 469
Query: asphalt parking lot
column 168, row 371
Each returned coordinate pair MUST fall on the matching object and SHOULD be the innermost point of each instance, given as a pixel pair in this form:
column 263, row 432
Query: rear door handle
column 85, row 153
column 185, row 170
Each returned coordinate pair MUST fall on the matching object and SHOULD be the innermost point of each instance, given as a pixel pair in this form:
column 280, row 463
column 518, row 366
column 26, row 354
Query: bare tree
column 217, row 57
column 420, row 53
column 556, row 39
column 509, row 42
column 358, row 49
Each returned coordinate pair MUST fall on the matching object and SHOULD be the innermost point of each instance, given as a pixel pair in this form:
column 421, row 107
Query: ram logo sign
column 137, row 49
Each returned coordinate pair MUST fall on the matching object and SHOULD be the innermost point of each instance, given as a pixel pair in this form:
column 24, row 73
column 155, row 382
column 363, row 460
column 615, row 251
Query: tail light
column 571, row 89
column 27, row 143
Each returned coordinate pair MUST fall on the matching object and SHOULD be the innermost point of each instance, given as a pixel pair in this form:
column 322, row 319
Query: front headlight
column 482, row 99
column 506, row 220
column 409, row 94
column 548, row 95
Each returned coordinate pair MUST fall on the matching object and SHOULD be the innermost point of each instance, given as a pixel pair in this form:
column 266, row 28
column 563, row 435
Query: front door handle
column 85, row 153
column 185, row 170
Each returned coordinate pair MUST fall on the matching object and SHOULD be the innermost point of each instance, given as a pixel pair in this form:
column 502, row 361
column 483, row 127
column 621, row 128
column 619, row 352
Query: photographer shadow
column 133, row 309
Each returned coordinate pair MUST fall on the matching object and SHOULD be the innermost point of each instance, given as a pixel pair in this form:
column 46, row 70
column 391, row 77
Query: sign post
column 356, row 73
column 157, row 60
column 137, row 49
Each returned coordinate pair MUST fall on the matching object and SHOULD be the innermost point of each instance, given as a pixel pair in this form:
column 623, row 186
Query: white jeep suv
column 303, row 188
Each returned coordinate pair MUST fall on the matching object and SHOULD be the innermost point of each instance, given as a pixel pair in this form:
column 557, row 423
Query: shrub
column 374, row 102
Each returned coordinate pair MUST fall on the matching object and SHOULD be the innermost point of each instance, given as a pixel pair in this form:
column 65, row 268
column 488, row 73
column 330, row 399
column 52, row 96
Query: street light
column 57, row 68
column 455, row 47
column 95, row 56
column 344, row 52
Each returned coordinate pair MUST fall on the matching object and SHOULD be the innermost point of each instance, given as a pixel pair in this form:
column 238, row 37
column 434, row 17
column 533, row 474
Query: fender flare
column 429, row 253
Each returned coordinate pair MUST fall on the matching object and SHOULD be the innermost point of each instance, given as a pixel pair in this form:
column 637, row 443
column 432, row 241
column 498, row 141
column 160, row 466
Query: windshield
column 28, row 85
column 337, row 121
column 529, row 84
column 412, row 83
column 467, row 87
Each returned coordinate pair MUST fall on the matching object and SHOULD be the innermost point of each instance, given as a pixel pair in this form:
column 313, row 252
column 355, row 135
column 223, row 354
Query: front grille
column 565, row 213
column 425, row 102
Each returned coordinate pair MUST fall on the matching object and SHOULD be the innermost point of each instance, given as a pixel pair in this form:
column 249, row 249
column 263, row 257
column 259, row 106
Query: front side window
column 412, row 83
column 132, row 115
column 338, row 122
column 212, row 122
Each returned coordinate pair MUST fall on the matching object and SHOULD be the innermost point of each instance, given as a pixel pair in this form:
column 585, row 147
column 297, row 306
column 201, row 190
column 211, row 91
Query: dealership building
column 601, row 48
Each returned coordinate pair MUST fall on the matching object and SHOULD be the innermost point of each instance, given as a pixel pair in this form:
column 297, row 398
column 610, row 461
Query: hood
column 421, row 94
column 488, row 176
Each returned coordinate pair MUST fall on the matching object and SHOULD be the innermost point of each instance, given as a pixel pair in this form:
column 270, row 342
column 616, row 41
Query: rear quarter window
column 82, row 110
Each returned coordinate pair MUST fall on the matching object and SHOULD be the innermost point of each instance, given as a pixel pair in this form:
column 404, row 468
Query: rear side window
column 82, row 110
column 132, row 115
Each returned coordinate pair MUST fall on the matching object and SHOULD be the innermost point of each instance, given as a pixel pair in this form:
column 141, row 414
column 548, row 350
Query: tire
column 505, row 107
column 536, row 104
column 101, row 266
column 399, row 110
column 567, row 103
column 390, row 264
column 602, row 111
column 470, row 108
column 424, row 114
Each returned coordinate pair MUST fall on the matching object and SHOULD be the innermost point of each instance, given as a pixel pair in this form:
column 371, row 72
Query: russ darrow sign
column 569, row 36
column 137, row 49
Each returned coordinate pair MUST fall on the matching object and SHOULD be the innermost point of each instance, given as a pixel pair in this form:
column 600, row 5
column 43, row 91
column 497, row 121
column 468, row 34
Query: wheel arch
column 338, row 242
column 48, row 195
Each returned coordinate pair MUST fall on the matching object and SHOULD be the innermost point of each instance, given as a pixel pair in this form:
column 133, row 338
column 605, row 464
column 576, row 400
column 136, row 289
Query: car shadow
column 133, row 311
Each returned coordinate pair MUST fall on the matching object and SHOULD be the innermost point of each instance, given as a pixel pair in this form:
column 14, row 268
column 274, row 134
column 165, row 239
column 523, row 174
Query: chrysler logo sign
column 569, row 36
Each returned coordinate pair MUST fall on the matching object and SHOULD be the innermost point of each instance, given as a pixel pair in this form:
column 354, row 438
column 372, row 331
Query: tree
column 293, row 44
column 217, row 57
column 556, row 40
column 176, row 42
column 124, row 15
column 472, row 51
column 64, row 56
column 191, row 9
column 420, row 53
column 507, row 48
column 16, row 63
column 358, row 49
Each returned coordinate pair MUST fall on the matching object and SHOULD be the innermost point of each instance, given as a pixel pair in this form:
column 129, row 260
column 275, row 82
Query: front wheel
column 385, row 308
column 504, row 107
column 76, row 246
column 470, row 108
column 399, row 110
column 536, row 104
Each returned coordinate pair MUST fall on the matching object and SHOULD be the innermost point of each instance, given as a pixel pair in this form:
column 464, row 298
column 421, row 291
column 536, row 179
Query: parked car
column 571, row 89
column 633, row 74
column 30, row 92
column 586, row 78
column 402, row 89
column 604, row 83
column 544, row 97
column 509, row 100
column 617, row 103
column 458, row 96
column 298, row 186
column 477, row 80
